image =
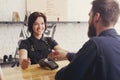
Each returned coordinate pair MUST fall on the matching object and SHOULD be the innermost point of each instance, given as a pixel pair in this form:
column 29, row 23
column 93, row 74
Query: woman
column 36, row 46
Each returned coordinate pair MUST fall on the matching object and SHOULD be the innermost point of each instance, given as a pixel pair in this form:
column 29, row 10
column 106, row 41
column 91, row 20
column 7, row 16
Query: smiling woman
column 38, row 27
column 36, row 46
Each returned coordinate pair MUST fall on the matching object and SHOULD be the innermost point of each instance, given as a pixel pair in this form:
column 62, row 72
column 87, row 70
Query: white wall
column 66, row 10
column 52, row 8
column 9, row 36
column 8, row 6
column 71, row 36
column 78, row 10
column 75, row 10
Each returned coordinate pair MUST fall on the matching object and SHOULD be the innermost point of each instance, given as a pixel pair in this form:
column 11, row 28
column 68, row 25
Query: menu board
column 54, row 9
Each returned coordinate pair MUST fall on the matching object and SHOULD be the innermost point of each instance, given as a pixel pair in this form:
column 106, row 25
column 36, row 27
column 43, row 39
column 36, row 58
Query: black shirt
column 98, row 59
column 38, row 49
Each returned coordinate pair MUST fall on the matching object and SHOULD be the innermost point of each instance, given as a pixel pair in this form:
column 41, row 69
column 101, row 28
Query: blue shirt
column 98, row 59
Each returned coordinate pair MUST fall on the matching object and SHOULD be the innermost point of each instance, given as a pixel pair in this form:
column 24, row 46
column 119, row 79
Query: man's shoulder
column 96, row 40
column 99, row 38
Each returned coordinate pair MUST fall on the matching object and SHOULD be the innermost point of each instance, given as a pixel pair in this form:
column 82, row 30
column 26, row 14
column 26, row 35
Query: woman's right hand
column 25, row 63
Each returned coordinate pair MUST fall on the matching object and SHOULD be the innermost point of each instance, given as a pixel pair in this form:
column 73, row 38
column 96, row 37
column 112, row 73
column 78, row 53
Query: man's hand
column 58, row 55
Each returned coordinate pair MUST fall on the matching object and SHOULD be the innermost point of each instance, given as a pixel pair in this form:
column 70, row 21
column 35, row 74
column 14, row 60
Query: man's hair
column 32, row 19
column 108, row 9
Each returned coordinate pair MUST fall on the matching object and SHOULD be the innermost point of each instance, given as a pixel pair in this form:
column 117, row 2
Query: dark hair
column 108, row 9
column 32, row 19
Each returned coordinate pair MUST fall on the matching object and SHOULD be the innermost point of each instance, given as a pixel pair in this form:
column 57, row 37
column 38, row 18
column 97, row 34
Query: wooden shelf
column 63, row 22
column 49, row 22
column 11, row 22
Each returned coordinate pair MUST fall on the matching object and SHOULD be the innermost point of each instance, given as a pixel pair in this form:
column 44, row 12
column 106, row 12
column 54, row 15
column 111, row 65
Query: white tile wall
column 9, row 36
column 117, row 26
column 69, row 36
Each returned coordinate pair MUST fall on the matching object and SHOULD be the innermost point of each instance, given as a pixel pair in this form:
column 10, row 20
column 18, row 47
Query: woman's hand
column 25, row 63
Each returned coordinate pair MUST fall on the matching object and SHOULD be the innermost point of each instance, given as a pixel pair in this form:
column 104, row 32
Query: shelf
column 49, row 22
column 11, row 22
column 63, row 22
column 8, row 62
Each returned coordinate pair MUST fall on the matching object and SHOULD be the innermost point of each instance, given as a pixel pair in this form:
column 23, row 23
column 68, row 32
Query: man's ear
column 97, row 17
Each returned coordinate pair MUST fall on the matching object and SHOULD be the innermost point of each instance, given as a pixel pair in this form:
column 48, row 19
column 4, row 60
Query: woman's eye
column 35, row 24
column 42, row 23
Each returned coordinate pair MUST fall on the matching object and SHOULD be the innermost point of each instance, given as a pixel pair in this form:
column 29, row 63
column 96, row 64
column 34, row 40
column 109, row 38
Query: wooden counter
column 34, row 72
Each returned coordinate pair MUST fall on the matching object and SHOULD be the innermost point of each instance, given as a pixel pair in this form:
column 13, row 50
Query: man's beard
column 91, row 30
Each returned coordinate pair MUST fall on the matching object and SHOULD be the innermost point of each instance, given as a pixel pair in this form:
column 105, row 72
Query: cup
column 5, row 58
column 10, row 58
column 15, row 16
